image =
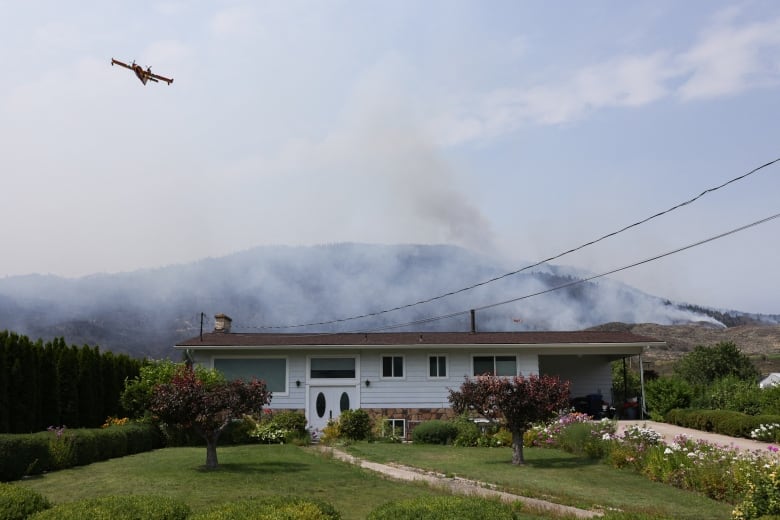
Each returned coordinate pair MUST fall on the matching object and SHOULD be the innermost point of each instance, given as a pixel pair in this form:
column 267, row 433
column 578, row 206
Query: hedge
column 444, row 508
column 31, row 454
column 132, row 507
column 435, row 432
column 272, row 508
column 17, row 503
column 724, row 422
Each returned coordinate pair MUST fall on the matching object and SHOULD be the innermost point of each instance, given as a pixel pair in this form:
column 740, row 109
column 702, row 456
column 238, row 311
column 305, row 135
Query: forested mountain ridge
column 145, row 312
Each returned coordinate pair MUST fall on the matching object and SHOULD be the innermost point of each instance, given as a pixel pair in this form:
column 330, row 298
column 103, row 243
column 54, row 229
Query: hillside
column 144, row 313
column 760, row 342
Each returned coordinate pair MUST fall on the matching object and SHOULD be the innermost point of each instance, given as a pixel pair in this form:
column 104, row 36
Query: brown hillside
column 760, row 342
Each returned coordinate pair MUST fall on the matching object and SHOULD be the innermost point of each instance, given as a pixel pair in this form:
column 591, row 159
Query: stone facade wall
column 412, row 416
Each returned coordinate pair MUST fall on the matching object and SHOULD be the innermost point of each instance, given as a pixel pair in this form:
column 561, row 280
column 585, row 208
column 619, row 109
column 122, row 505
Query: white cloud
column 727, row 59
column 731, row 59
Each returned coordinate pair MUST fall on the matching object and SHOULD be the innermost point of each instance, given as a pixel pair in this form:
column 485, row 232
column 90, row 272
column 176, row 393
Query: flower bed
column 748, row 479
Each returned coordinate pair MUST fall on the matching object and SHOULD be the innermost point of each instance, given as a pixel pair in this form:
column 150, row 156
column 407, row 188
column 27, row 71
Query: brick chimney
column 222, row 323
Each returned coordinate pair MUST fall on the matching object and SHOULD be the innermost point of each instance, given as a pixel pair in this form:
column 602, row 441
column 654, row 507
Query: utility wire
column 512, row 273
column 569, row 284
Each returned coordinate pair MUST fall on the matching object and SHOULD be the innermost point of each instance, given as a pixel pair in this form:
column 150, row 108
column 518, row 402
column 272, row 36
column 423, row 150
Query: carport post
column 642, row 411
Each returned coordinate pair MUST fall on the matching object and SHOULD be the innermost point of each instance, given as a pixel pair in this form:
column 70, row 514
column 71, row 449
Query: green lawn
column 260, row 470
column 552, row 475
column 245, row 471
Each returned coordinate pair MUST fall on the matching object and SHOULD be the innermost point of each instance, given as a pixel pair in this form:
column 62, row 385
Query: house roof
column 409, row 339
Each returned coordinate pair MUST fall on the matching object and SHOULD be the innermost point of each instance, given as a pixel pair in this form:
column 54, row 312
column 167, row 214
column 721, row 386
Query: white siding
column 416, row 389
column 588, row 374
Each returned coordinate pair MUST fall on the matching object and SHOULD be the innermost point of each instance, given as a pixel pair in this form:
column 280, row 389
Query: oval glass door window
column 344, row 402
column 320, row 404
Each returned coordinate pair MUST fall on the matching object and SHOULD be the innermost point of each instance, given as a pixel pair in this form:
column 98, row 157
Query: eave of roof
column 420, row 339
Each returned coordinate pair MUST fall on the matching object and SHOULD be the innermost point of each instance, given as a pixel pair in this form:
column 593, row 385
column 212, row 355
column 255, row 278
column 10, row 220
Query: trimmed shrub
column 141, row 437
column 725, row 422
column 435, row 432
column 354, row 425
column 17, row 503
column 23, row 454
column 443, row 508
column 272, row 508
column 131, row 507
column 34, row 453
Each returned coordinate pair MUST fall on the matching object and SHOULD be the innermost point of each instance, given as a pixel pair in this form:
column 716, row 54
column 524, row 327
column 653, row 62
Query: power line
column 517, row 271
column 568, row 284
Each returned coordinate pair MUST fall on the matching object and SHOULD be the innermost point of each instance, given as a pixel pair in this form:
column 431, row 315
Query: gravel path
column 457, row 485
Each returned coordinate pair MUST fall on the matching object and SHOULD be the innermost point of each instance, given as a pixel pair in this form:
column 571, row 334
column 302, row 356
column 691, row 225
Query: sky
column 518, row 129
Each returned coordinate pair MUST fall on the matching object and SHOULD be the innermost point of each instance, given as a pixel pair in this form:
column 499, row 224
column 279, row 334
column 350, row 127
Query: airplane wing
column 121, row 64
column 155, row 77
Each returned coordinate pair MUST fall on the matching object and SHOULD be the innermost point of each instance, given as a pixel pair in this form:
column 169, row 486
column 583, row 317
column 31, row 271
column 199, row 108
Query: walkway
column 457, row 485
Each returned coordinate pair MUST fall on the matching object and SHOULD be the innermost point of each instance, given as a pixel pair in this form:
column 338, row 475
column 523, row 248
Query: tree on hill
column 704, row 365
column 207, row 408
column 520, row 401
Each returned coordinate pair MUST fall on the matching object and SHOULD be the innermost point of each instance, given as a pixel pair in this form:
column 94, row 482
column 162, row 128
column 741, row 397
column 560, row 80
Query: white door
column 327, row 402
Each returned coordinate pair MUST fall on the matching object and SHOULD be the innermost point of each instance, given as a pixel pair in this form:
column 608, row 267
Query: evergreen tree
column 5, row 376
column 68, row 379
column 48, row 384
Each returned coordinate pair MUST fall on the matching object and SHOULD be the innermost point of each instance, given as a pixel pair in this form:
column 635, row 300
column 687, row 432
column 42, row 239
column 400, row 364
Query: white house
column 404, row 376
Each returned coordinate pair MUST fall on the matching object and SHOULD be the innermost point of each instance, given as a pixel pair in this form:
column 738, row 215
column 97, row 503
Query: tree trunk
column 211, row 453
column 517, row 448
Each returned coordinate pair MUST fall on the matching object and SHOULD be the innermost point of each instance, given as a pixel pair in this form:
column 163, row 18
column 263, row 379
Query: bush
column 725, row 422
column 24, row 454
column 574, row 438
column 17, row 503
column 467, row 432
column 732, row 393
column 443, row 508
column 354, row 425
column 435, row 432
column 133, row 507
column 59, row 448
column 770, row 400
column 272, row 508
column 284, row 426
column 667, row 393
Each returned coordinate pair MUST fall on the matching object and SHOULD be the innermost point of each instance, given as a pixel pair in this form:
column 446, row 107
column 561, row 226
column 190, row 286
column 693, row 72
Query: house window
column 437, row 366
column 332, row 368
column 495, row 365
column 271, row 370
column 394, row 428
column 392, row 366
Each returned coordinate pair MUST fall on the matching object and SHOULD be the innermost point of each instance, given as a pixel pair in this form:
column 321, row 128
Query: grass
column 244, row 471
column 262, row 470
column 552, row 475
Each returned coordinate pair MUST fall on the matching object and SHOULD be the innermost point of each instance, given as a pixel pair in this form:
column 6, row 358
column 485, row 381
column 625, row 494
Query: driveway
column 669, row 432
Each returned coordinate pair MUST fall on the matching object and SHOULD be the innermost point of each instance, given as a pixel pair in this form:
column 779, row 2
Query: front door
column 327, row 402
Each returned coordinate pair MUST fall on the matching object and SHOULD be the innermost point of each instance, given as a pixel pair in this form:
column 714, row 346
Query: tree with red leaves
column 520, row 401
column 207, row 407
